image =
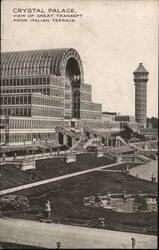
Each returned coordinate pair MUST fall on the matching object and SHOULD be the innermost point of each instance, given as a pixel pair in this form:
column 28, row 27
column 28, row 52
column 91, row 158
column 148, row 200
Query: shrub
column 14, row 202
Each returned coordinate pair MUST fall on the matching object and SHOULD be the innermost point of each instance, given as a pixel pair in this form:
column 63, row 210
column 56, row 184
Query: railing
column 121, row 139
column 78, row 143
column 33, row 157
column 90, row 141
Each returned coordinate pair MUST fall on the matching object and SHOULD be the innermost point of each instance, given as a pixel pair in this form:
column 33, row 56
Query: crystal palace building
column 43, row 95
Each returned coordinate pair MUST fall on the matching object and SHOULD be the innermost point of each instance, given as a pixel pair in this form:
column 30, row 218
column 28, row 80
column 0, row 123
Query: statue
column 48, row 209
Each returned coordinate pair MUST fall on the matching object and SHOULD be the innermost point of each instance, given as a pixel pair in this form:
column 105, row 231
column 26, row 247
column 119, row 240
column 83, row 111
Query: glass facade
column 42, row 90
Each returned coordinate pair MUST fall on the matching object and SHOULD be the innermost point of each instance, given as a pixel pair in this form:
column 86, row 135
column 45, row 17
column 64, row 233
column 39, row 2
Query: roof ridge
column 36, row 50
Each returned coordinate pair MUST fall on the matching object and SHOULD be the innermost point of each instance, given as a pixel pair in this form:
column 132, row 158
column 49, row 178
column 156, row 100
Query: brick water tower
column 140, row 79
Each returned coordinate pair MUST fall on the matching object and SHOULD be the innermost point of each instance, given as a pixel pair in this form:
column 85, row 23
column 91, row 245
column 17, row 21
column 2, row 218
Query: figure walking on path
column 58, row 244
column 133, row 242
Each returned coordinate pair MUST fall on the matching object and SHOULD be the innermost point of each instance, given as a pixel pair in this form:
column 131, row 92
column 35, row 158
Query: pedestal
column 99, row 153
column 28, row 164
column 70, row 158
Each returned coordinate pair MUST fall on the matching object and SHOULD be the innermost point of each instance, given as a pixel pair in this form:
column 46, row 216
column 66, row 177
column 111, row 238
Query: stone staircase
column 110, row 155
column 121, row 140
column 79, row 144
column 142, row 157
column 134, row 146
column 90, row 142
column 145, row 145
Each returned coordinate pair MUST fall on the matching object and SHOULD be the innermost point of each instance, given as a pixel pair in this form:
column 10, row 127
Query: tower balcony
column 140, row 77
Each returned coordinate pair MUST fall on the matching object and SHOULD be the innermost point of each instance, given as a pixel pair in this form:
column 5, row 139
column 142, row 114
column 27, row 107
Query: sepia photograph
column 79, row 124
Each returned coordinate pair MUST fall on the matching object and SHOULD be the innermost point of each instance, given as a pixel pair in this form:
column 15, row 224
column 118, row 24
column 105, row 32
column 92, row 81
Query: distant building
column 123, row 120
column 152, row 122
column 126, row 120
column 140, row 79
column 108, row 116
column 149, row 132
column 152, row 128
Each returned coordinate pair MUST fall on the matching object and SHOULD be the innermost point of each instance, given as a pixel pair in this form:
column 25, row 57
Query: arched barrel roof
column 35, row 62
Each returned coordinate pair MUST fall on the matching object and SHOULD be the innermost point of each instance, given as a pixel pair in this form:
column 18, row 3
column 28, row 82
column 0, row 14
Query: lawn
column 12, row 176
column 67, row 195
column 66, row 198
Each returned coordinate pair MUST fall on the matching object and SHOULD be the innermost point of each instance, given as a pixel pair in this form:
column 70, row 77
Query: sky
column 112, row 38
